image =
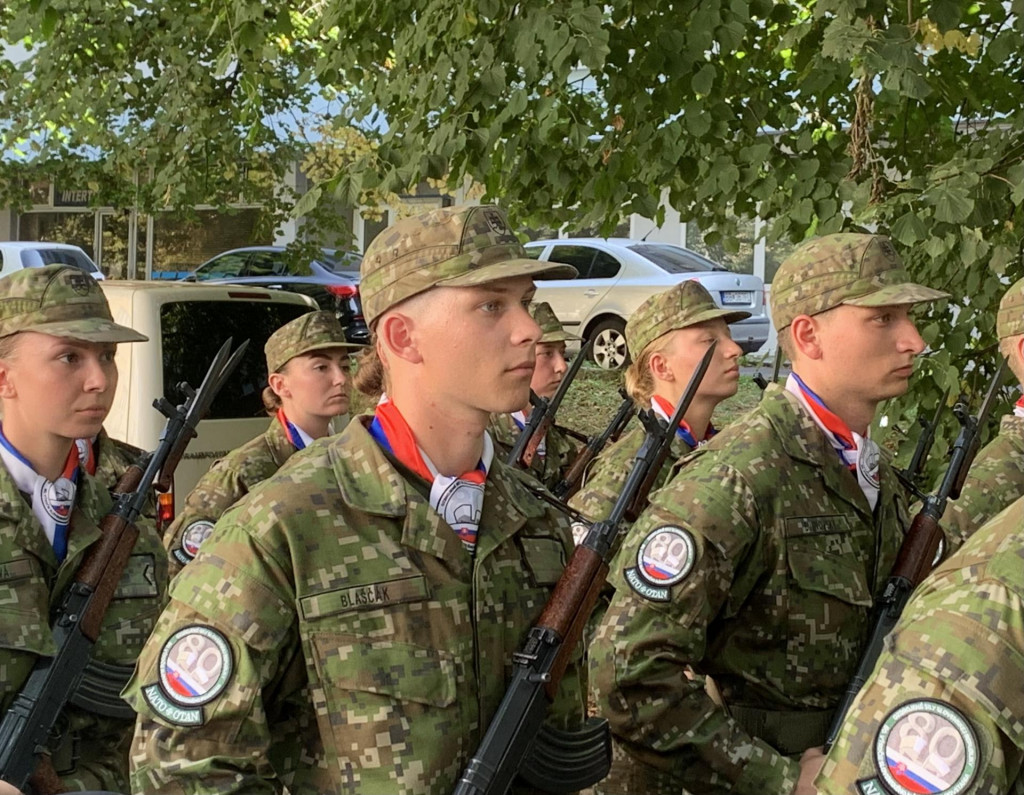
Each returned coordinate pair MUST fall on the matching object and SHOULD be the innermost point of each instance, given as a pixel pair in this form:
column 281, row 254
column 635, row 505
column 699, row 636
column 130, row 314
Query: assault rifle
column 910, row 475
column 568, row 485
column 26, row 727
column 562, row 761
column 920, row 546
column 543, row 416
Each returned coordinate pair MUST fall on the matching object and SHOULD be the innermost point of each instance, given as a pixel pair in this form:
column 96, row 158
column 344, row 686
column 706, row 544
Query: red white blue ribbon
column 298, row 437
column 52, row 501
column 858, row 453
column 665, row 410
column 457, row 500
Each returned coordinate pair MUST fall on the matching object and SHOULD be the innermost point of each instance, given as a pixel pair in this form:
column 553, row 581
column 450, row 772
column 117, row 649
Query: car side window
column 604, row 266
column 261, row 263
column 580, row 257
column 223, row 267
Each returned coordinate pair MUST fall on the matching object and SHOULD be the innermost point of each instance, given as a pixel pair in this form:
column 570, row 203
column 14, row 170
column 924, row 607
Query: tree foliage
column 813, row 116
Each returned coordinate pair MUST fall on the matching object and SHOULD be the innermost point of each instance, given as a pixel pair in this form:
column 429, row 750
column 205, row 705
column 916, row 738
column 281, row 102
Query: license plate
column 745, row 297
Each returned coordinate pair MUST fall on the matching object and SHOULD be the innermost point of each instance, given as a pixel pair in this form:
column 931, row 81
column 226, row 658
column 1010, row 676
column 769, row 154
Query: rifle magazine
column 561, row 761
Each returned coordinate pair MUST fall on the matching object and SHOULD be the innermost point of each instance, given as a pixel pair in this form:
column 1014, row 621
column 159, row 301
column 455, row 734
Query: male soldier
column 942, row 712
column 349, row 625
column 996, row 477
column 556, row 451
column 756, row 565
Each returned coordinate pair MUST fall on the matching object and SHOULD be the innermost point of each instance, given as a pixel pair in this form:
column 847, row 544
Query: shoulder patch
column 195, row 667
column 925, row 745
column 193, row 537
column 666, row 556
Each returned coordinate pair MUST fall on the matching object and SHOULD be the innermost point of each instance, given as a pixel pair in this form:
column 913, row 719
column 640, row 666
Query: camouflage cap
column 313, row 331
column 686, row 304
column 62, row 301
column 452, row 247
column 1010, row 320
column 551, row 328
column 845, row 268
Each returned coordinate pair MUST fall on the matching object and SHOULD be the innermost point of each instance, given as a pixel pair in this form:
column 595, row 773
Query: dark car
column 332, row 280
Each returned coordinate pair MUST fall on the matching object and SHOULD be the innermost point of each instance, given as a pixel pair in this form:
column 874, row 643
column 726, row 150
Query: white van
column 186, row 324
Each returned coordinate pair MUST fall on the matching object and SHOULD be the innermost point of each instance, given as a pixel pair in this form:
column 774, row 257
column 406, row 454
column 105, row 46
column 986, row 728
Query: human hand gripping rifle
column 920, row 546
column 543, row 416
column 26, row 727
column 570, row 484
column 562, row 761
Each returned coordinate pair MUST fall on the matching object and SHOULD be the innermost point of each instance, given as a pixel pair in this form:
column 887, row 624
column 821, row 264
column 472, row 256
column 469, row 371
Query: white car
column 616, row 275
column 36, row 254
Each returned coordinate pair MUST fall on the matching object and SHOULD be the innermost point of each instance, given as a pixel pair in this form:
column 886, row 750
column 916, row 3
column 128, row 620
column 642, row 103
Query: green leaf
column 704, row 80
column 309, row 200
column 952, row 204
column 908, row 229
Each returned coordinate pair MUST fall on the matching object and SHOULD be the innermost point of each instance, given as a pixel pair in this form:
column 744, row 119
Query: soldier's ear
column 395, row 331
column 805, row 337
column 7, row 389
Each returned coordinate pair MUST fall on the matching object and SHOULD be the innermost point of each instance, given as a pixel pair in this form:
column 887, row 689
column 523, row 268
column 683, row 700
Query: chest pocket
column 389, row 706
column 824, row 557
column 545, row 559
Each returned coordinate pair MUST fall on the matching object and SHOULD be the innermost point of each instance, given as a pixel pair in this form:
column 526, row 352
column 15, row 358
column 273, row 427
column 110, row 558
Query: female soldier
column 348, row 626
column 307, row 359
column 57, row 382
column 556, row 451
column 669, row 334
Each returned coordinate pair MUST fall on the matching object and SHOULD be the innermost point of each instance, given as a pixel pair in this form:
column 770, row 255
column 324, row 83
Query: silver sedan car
column 616, row 275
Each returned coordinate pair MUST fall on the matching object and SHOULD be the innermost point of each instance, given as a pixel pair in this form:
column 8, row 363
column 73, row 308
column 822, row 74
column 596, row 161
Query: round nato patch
column 926, row 746
column 195, row 666
column 666, row 556
column 194, row 536
column 57, row 498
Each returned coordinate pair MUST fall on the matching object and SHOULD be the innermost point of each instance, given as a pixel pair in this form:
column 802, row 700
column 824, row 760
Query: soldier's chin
column 515, row 400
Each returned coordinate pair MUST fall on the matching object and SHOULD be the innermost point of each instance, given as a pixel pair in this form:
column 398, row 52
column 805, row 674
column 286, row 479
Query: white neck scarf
column 859, row 453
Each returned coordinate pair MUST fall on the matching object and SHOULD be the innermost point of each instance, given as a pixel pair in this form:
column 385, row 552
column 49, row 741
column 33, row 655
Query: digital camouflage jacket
column 608, row 472
column 334, row 635
column 560, row 449
column 942, row 711
column 996, row 479
column 89, row 750
column 229, row 479
column 755, row 569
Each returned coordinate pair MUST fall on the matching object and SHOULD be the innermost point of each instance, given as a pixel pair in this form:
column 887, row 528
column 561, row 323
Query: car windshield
column 345, row 263
column 38, row 257
column 674, row 259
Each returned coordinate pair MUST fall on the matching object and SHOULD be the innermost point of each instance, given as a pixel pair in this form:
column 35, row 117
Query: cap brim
column 895, row 294
column 90, row 331
column 510, row 268
column 559, row 336
column 728, row 315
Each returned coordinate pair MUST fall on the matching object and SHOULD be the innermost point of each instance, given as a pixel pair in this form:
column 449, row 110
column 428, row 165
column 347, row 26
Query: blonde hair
column 639, row 380
column 1009, row 347
column 8, row 345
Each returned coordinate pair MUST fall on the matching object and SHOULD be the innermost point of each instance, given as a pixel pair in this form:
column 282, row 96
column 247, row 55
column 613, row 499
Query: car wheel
column 609, row 351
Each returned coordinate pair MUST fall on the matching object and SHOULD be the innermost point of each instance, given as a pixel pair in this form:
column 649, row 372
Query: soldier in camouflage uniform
column 996, row 477
column 349, row 626
column 308, row 361
column 942, row 712
column 57, row 466
column 667, row 336
column 758, row 563
column 557, row 450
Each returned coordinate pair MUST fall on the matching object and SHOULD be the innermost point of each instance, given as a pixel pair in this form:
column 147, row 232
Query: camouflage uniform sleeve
column 200, row 681
column 995, row 480
column 941, row 711
column 605, row 478
column 220, row 488
column 657, row 628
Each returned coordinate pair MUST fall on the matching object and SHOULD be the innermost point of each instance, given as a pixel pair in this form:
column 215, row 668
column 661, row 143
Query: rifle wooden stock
column 530, row 451
column 567, row 612
column 918, row 551
column 165, row 480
